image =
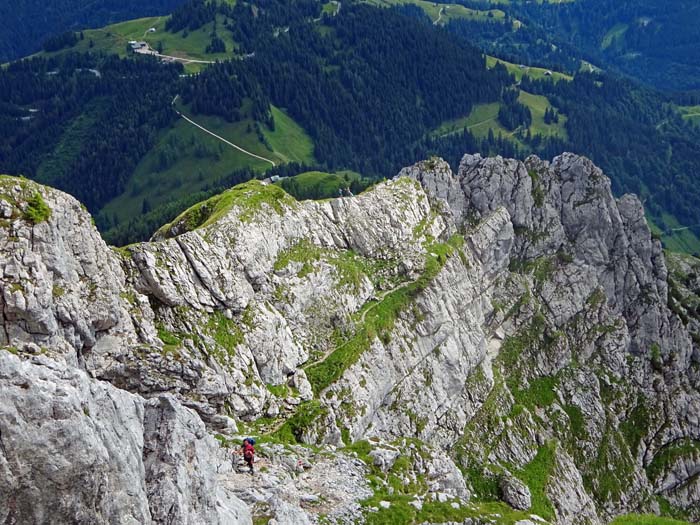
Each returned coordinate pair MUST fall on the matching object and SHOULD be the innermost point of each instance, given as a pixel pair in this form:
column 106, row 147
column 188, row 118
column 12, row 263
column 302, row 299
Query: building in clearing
column 136, row 46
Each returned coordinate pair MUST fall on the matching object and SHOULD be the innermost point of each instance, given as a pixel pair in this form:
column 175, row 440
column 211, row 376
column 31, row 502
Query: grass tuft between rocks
column 37, row 210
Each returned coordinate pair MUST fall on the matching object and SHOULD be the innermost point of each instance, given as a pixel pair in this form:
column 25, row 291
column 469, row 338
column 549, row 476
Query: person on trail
column 248, row 454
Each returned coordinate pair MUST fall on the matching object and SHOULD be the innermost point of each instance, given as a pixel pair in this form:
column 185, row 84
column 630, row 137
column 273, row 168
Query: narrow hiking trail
column 184, row 60
column 468, row 128
column 222, row 139
column 378, row 300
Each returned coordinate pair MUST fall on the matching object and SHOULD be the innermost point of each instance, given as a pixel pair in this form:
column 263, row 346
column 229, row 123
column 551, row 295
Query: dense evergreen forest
column 80, row 122
column 368, row 85
column 654, row 41
column 28, row 23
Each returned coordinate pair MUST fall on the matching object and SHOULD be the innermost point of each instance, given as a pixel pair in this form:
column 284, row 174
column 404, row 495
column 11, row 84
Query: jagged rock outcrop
column 75, row 450
column 509, row 322
column 597, row 328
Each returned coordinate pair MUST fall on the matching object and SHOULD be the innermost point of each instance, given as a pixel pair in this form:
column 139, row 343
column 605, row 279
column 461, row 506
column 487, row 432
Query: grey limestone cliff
column 444, row 340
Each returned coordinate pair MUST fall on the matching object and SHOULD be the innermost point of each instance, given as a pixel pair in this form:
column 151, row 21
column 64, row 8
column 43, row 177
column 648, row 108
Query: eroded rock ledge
column 509, row 322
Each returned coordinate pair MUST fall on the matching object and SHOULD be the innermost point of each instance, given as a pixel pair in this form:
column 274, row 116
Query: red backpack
column 248, row 451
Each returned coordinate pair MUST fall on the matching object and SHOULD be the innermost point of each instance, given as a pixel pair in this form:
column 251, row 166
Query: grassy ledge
column 379, row 321
column 646, row 519
column 37, row 210
column 250, row 198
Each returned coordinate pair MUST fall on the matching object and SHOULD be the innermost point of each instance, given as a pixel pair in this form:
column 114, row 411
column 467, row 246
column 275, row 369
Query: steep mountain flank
column 444, row 341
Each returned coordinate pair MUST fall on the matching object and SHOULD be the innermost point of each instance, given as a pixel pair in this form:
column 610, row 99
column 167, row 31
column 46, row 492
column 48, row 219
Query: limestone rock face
column 64, row 435
column 515, row 493
column 417, row 343
column 74, row 450
column 61, row 285
column 594, row 324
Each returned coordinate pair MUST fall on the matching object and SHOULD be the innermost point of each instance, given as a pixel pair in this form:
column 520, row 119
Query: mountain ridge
column 512, row 321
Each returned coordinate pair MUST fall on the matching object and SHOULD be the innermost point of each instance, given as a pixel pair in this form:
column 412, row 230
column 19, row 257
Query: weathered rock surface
column 512, row 317
column 75, row 450
column 515, row 493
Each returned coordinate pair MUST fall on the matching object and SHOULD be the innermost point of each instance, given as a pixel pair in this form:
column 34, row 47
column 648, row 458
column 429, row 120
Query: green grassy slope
column 485, row 116
column 617, row 31
column 533, row 72
column 288, row 140
column 482, row 118
column 443, row 13
column 319, row 184
column 538, row 104
column 192, row 45
column 690, row 113
column 187, row 160
column 646, row 519
column 681, row 240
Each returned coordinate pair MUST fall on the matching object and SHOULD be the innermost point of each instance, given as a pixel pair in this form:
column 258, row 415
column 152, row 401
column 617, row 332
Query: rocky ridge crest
column 504, row 333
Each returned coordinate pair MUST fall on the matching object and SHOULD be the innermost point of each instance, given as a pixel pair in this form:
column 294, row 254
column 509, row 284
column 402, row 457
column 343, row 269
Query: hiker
column 348, row 193
column 248, row 452
column 340, row 192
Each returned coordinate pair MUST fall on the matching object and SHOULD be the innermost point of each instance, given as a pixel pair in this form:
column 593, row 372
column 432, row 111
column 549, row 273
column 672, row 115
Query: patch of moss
column 536, row 475
column 538, row 193
column 596, row 298
column 576, row 421
column 669, row 510
column 278, row 390
column 484, row 483
column 57, row 291
column 540, row 393
column 613, row 468
column 37, row 210
column 670, row 454
column 635, row 426
column 513, row 347
column 351, row 267
column 293, row 429
column 129, row 296
column 541, row 268
column 171, row 342
column 304, row 252
column 226, row 333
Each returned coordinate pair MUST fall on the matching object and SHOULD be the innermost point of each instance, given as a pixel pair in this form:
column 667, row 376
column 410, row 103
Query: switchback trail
column 222, row 139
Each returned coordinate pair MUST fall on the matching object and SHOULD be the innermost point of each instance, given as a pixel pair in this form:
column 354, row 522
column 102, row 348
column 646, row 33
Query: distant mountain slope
column 654, row 41
column 26, row 23
column 358, row 88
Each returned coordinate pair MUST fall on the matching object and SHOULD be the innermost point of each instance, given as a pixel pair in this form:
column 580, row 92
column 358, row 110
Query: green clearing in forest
column 485, row 116
column 535, row 73
column 183, row 44
column 187, row 160
column 442, row 13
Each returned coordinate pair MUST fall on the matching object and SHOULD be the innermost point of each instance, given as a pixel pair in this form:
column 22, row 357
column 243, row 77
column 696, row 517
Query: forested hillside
column 312, row 86
column 28, row 23
column 654, row 41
